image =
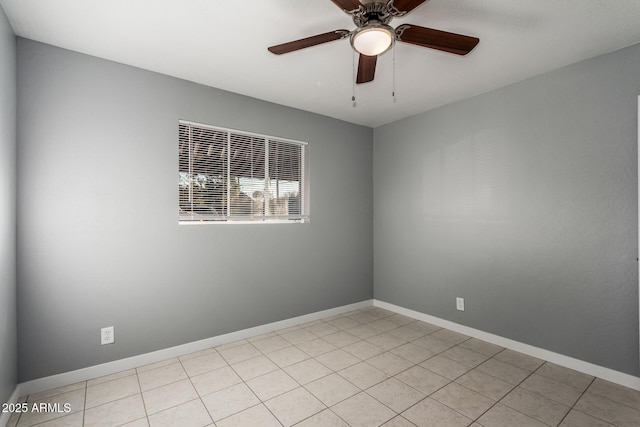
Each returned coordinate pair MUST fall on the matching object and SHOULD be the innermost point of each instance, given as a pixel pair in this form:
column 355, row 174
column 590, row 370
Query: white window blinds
column 229, row 175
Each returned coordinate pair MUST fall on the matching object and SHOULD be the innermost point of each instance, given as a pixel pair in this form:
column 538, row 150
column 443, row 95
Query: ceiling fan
column 373, row 35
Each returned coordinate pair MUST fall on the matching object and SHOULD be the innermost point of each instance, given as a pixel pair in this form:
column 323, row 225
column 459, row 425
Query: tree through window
column 227, row 175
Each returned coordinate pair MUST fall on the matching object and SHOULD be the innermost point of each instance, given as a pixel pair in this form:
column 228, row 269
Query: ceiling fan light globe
column 373, row 41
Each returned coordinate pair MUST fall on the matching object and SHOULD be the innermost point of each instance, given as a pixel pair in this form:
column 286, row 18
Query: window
column 229, row 175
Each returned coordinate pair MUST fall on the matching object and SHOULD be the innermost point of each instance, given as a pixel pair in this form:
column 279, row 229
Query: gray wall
column 523, row 201
column 99, row 242
column 8, row 328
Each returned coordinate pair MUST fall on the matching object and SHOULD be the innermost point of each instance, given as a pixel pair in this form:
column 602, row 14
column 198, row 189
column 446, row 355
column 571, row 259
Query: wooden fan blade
column 405, row 6
column 366, row 68
column 436, row 39
column 348, row 5
column 308, row 42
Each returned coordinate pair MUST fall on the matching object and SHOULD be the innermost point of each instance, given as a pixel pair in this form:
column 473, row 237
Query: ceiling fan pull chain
column 393, row 90
column 353, row 78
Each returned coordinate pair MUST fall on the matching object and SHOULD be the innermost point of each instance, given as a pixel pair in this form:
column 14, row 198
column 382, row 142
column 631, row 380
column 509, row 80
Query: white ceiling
column 223, row 43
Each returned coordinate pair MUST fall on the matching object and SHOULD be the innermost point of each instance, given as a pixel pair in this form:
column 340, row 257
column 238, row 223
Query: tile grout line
column 84, row 404
column 393, row 376
column 396, row 414
column 577, row 400
column 606, row 398
column 461, row 375
column 304, row 386
column 412, row 366
column 250, row 389
column 194, row 387
column 538, row 394
column 258, row 397
column 586, row 390
column 144, row 405
column 147, row 415
column 279, row 368
column 510, row 391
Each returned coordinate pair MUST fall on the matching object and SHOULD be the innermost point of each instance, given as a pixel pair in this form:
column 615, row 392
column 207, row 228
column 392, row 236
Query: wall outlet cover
column 460, row 304
column 107, row 335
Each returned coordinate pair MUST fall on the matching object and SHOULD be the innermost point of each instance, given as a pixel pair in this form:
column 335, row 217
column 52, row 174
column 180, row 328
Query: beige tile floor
column 368, row 367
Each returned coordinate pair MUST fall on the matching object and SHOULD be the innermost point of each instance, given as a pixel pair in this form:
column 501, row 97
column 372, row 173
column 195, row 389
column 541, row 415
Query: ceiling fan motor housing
column 373, row 11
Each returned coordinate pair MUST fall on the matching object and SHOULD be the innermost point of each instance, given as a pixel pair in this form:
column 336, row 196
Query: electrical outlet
column 460, row 304
column 106, row 335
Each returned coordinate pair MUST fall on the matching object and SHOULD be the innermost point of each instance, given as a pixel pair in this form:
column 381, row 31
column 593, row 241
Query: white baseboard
column 91, row 372
column 59, row 380
column 559, row 359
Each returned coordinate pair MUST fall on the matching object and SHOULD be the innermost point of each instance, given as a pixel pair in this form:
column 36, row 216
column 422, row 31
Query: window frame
column 191, row 217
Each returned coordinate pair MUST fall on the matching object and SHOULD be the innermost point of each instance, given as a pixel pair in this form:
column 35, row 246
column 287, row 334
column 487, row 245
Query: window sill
column 231, row 222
